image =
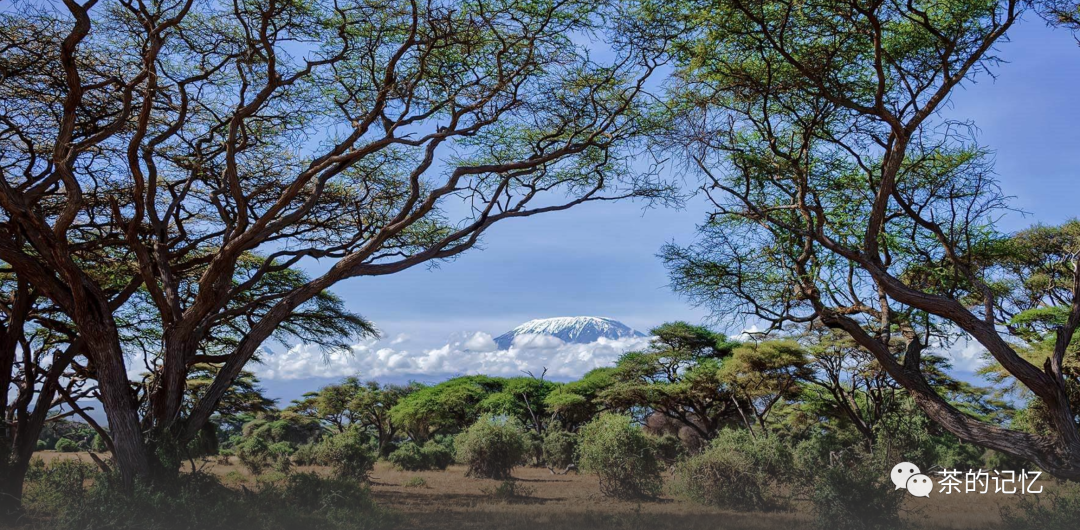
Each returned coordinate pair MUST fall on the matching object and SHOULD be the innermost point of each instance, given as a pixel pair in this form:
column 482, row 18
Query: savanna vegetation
column 172, row 169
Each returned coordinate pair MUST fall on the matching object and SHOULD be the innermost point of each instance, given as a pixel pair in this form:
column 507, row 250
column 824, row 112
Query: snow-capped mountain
column 577, row 330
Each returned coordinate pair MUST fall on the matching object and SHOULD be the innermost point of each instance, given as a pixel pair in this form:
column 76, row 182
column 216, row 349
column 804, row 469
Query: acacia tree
column 366, row 405
column 679, row 377
column 760, row 375
column 372, row 136
column 842, row 196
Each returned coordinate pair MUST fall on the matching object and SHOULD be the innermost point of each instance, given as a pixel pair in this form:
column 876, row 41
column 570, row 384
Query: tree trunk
column 131, row 455
column 12, row 477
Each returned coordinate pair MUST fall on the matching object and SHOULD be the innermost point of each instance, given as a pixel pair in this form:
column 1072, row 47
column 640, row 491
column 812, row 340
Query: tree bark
column 120, row 407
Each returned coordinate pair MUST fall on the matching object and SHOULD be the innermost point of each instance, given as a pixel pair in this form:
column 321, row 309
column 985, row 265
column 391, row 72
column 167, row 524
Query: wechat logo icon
column 906, row 475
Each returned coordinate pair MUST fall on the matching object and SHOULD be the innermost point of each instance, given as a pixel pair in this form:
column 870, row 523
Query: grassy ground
column 449, row 500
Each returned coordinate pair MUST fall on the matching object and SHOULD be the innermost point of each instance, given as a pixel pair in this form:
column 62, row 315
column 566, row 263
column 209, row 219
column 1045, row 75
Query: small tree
column 348, row 454
column 619, row 452
column 560, row 448
column 677, row 377
column 66, row 446
column 736, row 471
column 491, row 447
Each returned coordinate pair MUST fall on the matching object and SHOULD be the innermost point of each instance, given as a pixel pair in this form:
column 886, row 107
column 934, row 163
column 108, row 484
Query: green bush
column 415, row 482
column 70, row 496
column 280, row 454
column 56, row 483
column 98, row 445
column 857, row 496
column 669, row 448
column 509, row 490
column 491, row 448
column 1057, row 509
column 411, row 457
column 559, row 448
column 66, row 446
column 254, row 454
column 617, row 450
column 306, row 455
column 348, row 454
column 408, row 457
column 736, row 471
column 42, row 445
column 438, row 455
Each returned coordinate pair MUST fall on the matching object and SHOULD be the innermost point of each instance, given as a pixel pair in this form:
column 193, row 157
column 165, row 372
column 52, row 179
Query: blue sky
column 600, row 259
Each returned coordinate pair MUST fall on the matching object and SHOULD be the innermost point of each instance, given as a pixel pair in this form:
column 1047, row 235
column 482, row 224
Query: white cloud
column 481, row 341
column 967, row 355
column 466, row 354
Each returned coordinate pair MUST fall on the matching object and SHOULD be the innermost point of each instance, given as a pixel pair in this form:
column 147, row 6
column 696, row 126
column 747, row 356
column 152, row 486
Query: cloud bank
column 464, row 355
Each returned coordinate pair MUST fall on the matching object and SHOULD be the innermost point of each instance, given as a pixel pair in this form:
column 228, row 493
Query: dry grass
column 450, row 500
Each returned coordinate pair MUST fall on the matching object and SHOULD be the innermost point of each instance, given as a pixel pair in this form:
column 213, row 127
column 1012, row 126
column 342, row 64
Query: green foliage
column 306, row 455
column 254, row 454
column 98, row 445
column 737, row 471
column 617, row 450
column 509, row 491
column 409, row 457
column 578, row 402
column 70, row 496
column 80, row 433
column 491, row 447
column 348, row 454
column 1057, row 509
column 446, row 408
column 438, row 455
column 415, row 482
column 678, row 376
column 280, row 456
column 522, row 398
column 287, row 426
column 66, row 446
column 56, row 483
column 560, row 448
column 854, row 497
column 359, row 405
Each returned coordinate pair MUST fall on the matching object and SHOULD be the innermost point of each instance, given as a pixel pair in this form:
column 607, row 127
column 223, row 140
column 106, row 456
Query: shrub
column 509, row 490
column 416, row 482
column 1057, row 509
column 491, row 448
column 408, row 457
column 42, row 445
column 736, row 471
column 348, row 455
column 438, row 455
column 98, row 445
column 66, row 446
column 57, row 499
column 622, row 455
column 254, row 454
column 858, row 496
column 279, row 454
column 411, row 457
column 56, row 483
column 559, row 448
column 306, row 455
column 669, row 448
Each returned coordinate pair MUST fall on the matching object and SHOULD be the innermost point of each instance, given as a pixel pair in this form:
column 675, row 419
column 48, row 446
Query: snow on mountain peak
column 576, row 330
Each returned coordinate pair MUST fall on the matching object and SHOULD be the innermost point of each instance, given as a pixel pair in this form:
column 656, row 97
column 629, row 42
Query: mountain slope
column 578, row 330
